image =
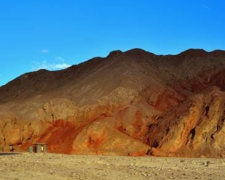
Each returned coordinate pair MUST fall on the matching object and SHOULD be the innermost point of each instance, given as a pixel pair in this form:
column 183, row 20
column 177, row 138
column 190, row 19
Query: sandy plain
column 55, row 166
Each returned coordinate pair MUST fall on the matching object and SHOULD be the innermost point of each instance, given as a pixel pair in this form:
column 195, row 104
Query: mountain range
column 128, row 103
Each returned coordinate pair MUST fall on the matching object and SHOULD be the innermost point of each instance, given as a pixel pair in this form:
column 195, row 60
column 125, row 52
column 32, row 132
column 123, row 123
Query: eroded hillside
column 129, row 103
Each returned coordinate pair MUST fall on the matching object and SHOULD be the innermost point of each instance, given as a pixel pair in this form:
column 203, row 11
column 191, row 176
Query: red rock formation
column 129, row 103
column 195, row 128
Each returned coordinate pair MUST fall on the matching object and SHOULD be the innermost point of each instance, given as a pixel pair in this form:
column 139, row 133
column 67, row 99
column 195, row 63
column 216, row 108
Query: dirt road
column 56, row 167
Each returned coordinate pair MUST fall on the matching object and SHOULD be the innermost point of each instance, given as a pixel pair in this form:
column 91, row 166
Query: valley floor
column 56, row 167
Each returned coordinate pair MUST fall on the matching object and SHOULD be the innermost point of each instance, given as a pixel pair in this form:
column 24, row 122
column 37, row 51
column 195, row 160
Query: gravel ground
column 54, row 166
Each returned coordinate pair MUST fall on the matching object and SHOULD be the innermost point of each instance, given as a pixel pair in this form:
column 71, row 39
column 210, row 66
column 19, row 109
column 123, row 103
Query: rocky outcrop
column 195, row 128
column 101, row 138
column 129, row 103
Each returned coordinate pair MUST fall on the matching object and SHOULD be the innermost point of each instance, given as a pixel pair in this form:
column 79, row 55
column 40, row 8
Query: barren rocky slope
column 129, row 103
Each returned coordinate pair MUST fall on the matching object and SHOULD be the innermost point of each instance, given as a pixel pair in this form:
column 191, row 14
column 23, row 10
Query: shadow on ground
column 8, row 154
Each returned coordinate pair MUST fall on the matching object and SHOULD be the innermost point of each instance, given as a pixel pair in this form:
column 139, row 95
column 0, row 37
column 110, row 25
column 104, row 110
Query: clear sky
column 54, row 34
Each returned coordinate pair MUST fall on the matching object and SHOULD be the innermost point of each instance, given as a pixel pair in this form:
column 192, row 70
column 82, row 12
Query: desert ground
column 55, row 166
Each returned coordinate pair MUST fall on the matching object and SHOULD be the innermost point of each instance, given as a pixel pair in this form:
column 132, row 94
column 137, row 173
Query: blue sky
column 54, row 34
